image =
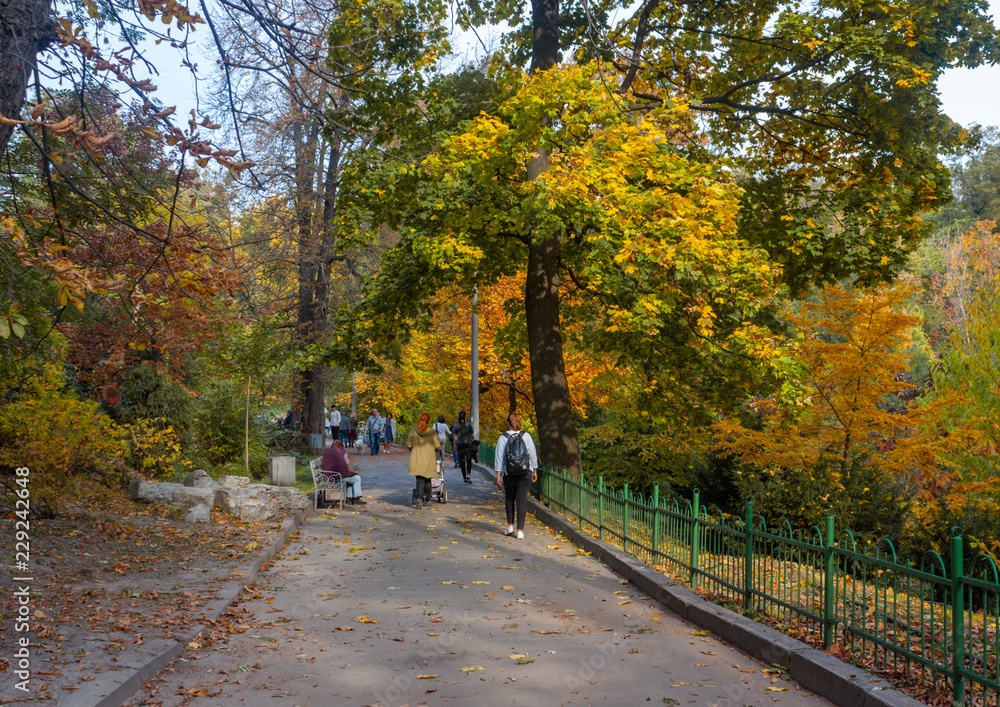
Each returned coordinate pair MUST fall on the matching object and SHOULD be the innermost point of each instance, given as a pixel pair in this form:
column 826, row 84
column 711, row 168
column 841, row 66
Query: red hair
column 424, row 419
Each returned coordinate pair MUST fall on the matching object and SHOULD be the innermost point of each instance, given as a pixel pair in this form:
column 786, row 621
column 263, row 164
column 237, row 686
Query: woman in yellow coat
column 423, row 444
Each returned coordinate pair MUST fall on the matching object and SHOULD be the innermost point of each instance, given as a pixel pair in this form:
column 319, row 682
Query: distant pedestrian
column 388, row 432
column 516, row 465
column 423, row 443
column 335, row 423
column 462, row 437
column 373, row 430
column 443, row 432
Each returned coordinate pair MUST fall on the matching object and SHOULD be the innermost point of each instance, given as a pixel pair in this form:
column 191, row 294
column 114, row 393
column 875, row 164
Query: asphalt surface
column 388, row 605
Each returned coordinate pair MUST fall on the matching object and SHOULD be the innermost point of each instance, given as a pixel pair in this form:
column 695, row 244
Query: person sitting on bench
column 335, row 460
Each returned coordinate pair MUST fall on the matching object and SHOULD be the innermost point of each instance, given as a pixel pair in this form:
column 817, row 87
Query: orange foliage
column 850, row 354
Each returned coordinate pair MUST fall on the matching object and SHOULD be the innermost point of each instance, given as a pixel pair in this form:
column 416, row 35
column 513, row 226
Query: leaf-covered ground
column 113, row 583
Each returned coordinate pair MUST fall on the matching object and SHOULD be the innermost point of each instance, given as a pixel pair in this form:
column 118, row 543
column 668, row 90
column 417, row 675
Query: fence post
column 748, row 558
column 600, row 506
column 656, row 522
column 828, row 584
column 695, row 539
column 625, row 499
column 957, row 618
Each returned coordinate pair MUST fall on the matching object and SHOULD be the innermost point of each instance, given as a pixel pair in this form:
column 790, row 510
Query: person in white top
column 515, row 471
column 335, row 424
column 443, row 431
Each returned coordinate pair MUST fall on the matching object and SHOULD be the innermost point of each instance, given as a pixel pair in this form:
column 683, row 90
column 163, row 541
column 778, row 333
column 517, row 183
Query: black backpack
column 463, row 435
column 516, row 461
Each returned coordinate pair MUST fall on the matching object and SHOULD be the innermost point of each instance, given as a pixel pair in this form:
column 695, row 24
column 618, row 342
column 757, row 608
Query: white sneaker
column 510, row 530
column 520, row 535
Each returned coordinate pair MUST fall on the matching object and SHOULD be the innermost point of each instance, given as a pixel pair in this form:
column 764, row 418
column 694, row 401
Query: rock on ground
column 168, row 492
column 199, row 478
column 199, row 514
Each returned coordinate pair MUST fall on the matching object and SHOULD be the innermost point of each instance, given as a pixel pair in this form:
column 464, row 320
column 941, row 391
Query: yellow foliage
column 54, row 434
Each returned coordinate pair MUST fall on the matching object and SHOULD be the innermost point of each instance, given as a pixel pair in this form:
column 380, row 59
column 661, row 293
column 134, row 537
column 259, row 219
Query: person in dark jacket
column 462, row 440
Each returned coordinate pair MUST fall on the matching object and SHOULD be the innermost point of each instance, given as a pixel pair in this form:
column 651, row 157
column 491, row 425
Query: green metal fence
column 932, row 625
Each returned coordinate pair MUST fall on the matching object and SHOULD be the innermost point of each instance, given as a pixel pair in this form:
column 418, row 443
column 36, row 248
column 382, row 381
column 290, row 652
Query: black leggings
column 424, row 489
column 515, row 490
column 465, row 462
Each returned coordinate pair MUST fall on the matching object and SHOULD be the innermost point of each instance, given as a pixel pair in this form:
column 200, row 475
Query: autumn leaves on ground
column 113, row 584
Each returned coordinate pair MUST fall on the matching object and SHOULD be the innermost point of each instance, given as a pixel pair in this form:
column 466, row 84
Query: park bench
column 324, row 481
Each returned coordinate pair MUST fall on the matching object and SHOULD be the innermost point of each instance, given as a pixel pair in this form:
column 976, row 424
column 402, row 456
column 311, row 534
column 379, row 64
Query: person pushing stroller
column 423, row 443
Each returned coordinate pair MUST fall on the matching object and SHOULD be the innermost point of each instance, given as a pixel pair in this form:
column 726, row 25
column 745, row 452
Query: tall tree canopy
column 825, row 114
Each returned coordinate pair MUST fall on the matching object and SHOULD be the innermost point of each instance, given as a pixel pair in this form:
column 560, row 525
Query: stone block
column 199, row 478
column 169, row 493
column 282, row 471
column 199, row 514
column 234, row 482
column 248, row 504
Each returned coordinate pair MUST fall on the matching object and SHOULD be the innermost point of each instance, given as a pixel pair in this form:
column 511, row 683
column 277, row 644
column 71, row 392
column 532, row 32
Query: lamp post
column 474, row 392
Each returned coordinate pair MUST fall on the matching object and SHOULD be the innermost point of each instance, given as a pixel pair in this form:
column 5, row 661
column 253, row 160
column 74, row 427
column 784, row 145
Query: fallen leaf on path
column 472, row 669
column 508, row 588
column 701, row 633
column 517, row 656
column 450, row 581
column 426, row 677
column 365, row 620
column 777, row 689
column 476, row 581
column 344, row 628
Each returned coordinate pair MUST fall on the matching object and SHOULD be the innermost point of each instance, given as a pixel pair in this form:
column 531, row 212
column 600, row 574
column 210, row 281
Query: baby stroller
column 438, row 491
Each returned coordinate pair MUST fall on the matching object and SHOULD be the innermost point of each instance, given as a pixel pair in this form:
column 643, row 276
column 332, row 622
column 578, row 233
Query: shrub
column 220, row 428
column 868, row 501
column 57, row 436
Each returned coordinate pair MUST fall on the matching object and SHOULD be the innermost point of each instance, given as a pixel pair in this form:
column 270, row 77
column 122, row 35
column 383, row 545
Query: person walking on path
column 373, row 428
column 335, row 460
column 388, row 432
column 424, row 445
column 443, row 432
column 335, row 424
column 462, row 436
column 516, row 465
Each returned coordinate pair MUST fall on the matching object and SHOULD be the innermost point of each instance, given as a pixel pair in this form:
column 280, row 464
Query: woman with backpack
column 462, row 438
column 516, row 465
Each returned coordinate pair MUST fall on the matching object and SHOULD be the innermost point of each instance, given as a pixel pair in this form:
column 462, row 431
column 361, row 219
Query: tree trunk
column 553, row 408
column 26, row 28
column 317, row 170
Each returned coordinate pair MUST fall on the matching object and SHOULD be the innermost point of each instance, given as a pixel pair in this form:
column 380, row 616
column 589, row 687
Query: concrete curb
column 821, row 673
column 153, row 667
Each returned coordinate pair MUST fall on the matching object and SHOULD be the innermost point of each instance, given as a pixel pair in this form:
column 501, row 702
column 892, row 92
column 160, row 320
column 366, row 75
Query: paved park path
column 387, row 605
